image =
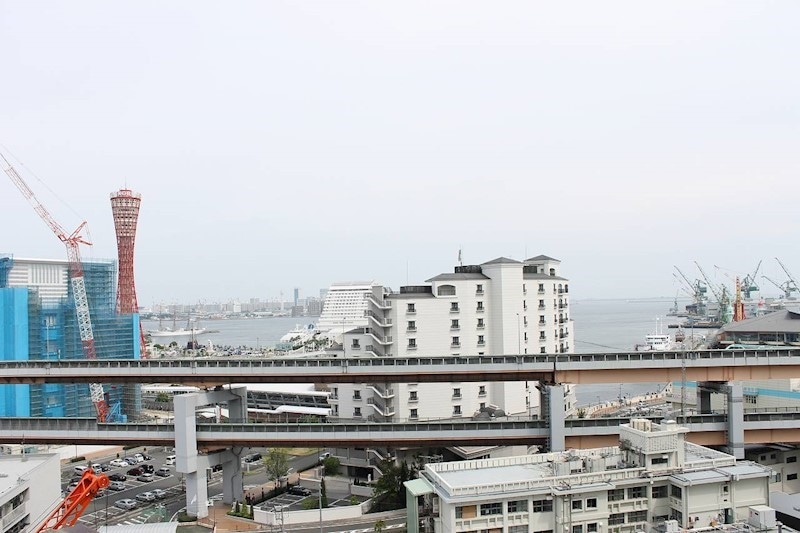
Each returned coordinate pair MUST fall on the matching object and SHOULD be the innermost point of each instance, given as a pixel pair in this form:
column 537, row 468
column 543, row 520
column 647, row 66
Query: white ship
column 190, row 330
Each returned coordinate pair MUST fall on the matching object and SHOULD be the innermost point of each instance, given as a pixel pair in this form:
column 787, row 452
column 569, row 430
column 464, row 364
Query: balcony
column 479, row 293
column 378, row 337
column 479, row 309
column 411, row 347
column 455, row 328
column 14, row 516
column 379, row 320
column 455, row 345
column 380, row 304
column 481, row 326
column 541, row 307
column 483, row 343
column 411, row 311
column 355, row 346
column 457, row 396
column 540, row 291
column 455, row 310
column 383, row 410
column 411, row 330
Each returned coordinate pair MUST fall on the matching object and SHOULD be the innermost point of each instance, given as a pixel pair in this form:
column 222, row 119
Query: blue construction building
column 38, row 322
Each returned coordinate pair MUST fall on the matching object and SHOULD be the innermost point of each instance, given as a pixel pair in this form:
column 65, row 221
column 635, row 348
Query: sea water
column 600, row 326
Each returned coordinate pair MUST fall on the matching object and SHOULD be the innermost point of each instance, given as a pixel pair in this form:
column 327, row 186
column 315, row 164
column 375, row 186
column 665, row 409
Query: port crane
column 697, row 290
column 720, row 294
column 72, row 241
column 749, row 284
column 791, row 283
column 787, row 287
column 75, row 503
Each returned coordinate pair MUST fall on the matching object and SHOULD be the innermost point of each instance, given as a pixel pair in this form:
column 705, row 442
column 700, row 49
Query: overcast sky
column 295, row 144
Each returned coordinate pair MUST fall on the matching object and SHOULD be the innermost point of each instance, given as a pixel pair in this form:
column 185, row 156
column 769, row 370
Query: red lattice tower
column 125, row 208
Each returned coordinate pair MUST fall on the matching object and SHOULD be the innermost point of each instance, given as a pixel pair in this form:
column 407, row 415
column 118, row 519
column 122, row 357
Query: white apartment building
column 345, row 305
column 784, row 460
column 653, row 481
column 499, row 307
column 30, row 488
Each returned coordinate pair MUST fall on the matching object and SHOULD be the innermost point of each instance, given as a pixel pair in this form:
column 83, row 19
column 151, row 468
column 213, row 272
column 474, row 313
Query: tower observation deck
column 125, row 209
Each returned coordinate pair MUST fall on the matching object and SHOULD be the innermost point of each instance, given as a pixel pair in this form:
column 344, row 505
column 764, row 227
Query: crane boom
column 710, row 285
column 76, row 279
column 76, row 502
column 792, row 284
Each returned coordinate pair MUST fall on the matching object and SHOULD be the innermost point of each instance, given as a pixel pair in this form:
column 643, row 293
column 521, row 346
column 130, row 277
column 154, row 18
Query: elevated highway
column 709, row 429
column 627, row 367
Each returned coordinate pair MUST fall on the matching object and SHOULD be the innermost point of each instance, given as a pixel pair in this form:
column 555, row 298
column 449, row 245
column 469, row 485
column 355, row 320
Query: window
column 541, row 304
column 356, row 394
column 481, row 325
column 412, row 325
column 577, row 505
column 791, row 477
column 456, row 342
column 791, row 459
column 524, row 288
column 456, row 393
column 591, row 503
column 482, row 406
column 413, row 413
column 356, row 411
column 459, row 512
column 676, row 492
column 356, row 344
column 412, row 396
column 518, row 529
column 616, row 519
column 542, row 506
column 456, row 410
column 637, row 516
column 453, row 306
column 524, row 305
column 577, row 529
column 481, row 341
column 454, row 324
column 616, row 495
column 479, row 289
column 541, row 287
column 412, row 343
column 591, row 528
column 659, row 461
column 541, row 319
column 542, row 336
column 518, row 506
column 446, row 290
column 659, row 492
column 491, row 508
column 411, row 308
column 542, row 350
column 482, row 390
column 752, row 400
column 637, row 492
column 525, row 336
column 480, row 306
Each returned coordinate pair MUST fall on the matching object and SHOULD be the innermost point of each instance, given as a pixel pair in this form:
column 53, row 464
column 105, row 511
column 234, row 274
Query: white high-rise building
column 499, row 307
column 346, row 304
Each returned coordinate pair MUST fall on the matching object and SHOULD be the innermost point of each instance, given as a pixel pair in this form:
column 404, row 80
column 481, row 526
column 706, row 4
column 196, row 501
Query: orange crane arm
column 76, row 502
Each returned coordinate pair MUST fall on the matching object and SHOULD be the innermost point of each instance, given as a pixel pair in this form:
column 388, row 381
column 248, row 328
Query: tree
column 389, row 492
column 277, row 464
column 162, row 397
column 331, row 465
column 323, row 492
column 379, row 525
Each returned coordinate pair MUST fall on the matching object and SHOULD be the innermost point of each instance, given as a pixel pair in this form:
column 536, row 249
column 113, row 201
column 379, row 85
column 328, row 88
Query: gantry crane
column 749, row 284
column 72, row 241
column 786, row 287
column 791, row 284
column 720, row 294
column 75, row 503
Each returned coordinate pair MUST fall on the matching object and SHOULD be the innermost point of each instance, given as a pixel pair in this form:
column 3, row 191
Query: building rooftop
column 542, row 258
column 785, row 321
column 542, row 275
column 502, row 260
column 14, row 467
column 456, row 276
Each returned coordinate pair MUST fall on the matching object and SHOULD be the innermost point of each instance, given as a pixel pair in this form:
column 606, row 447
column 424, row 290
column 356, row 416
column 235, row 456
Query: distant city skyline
column 296, row 144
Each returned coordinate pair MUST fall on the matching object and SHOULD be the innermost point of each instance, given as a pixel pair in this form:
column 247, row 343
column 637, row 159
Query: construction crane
column 721, row 295
column 75, row 503
column 791, row 284
column 697, row 288
column 749, row 284
column 786, row 287
column 72, row 241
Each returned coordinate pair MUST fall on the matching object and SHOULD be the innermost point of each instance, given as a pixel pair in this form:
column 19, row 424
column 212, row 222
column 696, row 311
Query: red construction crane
column 76, row 502
column 72, row 242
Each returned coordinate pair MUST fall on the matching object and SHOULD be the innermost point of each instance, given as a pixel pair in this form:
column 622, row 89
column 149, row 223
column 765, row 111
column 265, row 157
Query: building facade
column 653, row 481
column 499, row 307
column 29, row 490
column 38, row 322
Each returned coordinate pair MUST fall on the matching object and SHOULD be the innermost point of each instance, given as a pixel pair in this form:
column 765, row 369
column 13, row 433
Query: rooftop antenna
column 460, row 262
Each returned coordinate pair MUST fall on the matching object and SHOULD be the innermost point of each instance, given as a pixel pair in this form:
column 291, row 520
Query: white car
column 126, row 504
column 118, row 463
column 146, row 497
column 159, row 494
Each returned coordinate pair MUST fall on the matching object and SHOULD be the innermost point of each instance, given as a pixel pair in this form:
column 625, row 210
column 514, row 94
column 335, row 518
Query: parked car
column 97, row 468
column 116, row 485
column 147, row 457
column 105, row 467
column 117, row 477
column 146, row 497
column 147, row 469
column 324, row 456
column 126, row 504
column 119, row 463
column 79, row 470
column 135, row 471
column 170, row 460
column 139, row 457
column 297, row 490
column 131, row 460
column 72, row 486
column 159, row 494
column 252, row 458
column 146, row 478
column 74, row 479
column 163, row 472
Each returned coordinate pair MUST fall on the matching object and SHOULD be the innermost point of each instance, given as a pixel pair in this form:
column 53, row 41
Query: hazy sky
column 283, row 144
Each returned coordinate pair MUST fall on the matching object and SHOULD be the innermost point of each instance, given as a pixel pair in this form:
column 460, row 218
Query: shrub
column 183, row 516
column 77, row 459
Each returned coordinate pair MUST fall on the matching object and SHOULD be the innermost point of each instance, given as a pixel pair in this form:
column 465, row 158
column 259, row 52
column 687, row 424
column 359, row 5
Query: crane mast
column 75, row 503
column 72, row 242
column 791, row 284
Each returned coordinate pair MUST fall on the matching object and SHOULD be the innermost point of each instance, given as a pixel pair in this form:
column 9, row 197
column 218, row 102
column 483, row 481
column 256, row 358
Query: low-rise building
column 30, row 488
column 784, row 462
column 654, row 478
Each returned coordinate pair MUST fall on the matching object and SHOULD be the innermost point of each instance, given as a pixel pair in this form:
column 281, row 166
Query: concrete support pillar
column 735, row 419
column 197, row 493
column 194, row 467
column 232, row 485
column 554, row 409
column 703, row 398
